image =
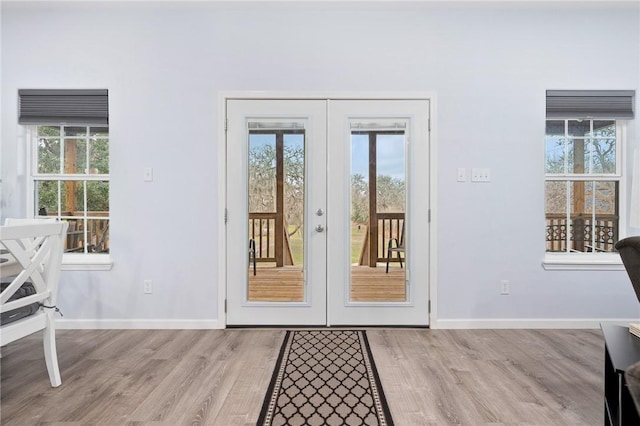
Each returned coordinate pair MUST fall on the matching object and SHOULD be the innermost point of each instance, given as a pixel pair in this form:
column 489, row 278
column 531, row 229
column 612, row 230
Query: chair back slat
column 36, row 250
column 25, row 301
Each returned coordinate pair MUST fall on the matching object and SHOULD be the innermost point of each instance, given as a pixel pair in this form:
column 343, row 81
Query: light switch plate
column 148, row 174
column 480, row 175
column 462, row 174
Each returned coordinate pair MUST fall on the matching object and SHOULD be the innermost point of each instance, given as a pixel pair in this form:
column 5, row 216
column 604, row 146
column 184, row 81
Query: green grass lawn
column 357, row 239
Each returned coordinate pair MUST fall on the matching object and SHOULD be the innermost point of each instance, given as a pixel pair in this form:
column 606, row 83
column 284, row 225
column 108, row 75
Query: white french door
column 327, row 212
column 271, row 143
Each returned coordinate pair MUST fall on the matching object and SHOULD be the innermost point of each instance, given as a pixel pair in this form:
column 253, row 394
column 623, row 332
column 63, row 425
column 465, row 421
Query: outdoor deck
column 368, row 284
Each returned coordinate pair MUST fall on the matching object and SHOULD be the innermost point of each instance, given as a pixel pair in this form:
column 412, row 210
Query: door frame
column 286, row 95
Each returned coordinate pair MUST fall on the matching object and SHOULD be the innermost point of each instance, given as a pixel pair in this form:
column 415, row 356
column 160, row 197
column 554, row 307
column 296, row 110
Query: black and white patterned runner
column 325, row 377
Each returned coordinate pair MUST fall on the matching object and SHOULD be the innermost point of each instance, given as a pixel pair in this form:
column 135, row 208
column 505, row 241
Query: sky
column 390, row 153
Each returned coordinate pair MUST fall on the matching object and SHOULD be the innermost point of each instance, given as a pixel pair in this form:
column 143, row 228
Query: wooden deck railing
column 390, row 225
column 97, row 232
column 580, row 231
column 387, row 226
column 262, row 230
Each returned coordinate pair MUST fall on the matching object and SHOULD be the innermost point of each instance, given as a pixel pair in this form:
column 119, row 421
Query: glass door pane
column 276, row 174
column 378, row 220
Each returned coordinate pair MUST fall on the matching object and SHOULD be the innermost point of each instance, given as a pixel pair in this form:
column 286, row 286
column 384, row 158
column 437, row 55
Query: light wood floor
column 285, row 284
column 220, row 377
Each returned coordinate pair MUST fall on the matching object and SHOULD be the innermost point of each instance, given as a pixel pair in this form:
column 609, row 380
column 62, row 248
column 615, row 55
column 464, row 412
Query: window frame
column 592, row 260
column 70, row 261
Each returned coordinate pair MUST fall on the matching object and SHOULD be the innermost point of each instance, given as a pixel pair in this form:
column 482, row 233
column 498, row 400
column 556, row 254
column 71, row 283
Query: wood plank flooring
column 220, row 377
column 286, row 284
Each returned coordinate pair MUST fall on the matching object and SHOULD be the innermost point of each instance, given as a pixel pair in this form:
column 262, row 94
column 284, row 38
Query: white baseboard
column 458, row 324
column 134, row 324
column 528, row 323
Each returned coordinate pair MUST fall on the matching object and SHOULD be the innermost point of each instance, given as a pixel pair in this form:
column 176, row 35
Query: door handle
column 319, row 228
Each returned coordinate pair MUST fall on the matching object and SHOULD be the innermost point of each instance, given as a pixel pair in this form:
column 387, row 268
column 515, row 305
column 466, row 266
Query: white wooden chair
column 33, row 253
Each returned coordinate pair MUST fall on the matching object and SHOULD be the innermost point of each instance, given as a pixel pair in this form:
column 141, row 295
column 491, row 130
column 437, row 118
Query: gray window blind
column 54, row 106
column 604, row 104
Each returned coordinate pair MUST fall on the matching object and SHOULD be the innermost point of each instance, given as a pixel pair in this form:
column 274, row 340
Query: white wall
column 165, row 65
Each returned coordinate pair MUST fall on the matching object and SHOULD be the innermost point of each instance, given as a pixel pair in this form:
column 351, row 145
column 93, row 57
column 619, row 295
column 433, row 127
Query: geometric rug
column 325, row 377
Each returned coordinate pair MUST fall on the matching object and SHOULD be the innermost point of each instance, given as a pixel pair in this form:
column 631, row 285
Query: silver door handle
column 319, row 228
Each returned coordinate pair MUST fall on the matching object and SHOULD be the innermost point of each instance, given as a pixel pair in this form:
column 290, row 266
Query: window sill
column 582, row 262
column 86, row 262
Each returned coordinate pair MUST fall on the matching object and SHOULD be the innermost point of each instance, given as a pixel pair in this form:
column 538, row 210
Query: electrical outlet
column 504, row 287
column 148, row 288
column 462, row 174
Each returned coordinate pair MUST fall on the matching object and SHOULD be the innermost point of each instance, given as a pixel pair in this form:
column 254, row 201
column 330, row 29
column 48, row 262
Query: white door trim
column 222, row 177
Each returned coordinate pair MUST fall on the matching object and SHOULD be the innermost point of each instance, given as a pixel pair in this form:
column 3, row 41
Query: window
column 68, row 168
column 584, row 177
column 70, row 176
column 582, row 190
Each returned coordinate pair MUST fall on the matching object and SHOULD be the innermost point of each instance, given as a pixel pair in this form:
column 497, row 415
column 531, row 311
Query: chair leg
column 50, row 353
column 388, row 257
column 399, row 259
column 252, row 254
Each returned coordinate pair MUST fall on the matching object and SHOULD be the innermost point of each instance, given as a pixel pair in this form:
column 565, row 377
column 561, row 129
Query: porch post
column 279, row 200
column 373, row 202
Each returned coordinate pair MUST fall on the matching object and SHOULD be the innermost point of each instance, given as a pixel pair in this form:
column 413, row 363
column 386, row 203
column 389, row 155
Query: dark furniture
column 252, row 254
column 629, row 249
column 622, row 350
column 399, row 248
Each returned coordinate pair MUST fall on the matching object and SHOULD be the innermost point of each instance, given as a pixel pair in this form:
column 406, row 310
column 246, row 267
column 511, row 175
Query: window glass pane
column 578, row 156
column 603, row 155
column 294, row 194
column 579, row 128
column 262, row 173
column 99, row 132
column 97, row 236
column 390, row 167
column 276, row 215
column 605, row 198
column 555, row 128
column 359, row 194
column 48, row 155
column 97, row 198
column 99, row 156
column 75, row 236
column 49, row 131
column 556, row 198
column 604, row 128
column 46, row 198
column 75, row 131
column 72, row 197
column 75, row 156
column 570, row 163
column 556, row 215
column 378, row 255
column 605, row 227
column 555, row 155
